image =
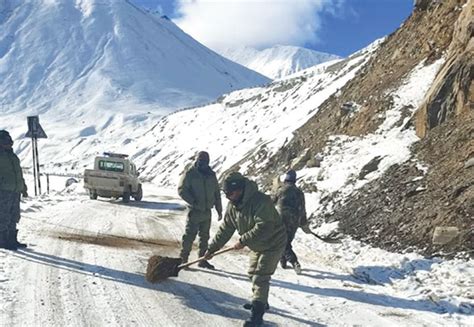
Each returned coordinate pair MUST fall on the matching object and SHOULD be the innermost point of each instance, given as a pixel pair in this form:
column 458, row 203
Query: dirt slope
column 393, row 212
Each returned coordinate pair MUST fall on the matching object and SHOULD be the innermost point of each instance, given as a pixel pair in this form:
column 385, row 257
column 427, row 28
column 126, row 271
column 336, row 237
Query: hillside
column 430, row 184
column 86, row 60
column 278, row 61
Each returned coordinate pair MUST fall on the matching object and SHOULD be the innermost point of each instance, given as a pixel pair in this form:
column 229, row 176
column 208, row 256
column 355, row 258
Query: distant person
column 261, row 229
column 12, row 185
column 199, row 188
column 290, row 203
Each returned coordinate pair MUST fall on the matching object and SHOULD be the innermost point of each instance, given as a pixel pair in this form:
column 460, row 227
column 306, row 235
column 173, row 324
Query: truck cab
column 113, row 176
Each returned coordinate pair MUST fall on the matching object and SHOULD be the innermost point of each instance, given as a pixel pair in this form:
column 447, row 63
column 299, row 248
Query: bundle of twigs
column 160, row 268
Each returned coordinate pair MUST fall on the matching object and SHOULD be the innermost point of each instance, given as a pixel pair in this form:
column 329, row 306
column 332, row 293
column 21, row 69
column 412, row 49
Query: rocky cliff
column 435, row 188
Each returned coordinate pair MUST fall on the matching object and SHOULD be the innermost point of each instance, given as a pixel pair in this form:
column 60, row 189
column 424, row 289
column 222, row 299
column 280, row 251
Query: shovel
column 159, row 268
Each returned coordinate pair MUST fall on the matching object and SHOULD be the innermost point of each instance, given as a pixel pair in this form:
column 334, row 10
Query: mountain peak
column 278, row 61
column 96, row 54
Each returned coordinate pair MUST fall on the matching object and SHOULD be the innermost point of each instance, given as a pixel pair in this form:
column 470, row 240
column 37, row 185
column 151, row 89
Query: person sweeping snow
column 261, row 229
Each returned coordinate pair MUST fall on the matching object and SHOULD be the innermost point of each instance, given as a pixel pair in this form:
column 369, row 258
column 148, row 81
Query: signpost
column 35, row 131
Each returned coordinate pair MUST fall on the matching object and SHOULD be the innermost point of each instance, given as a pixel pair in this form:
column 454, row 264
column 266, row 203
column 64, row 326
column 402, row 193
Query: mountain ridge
column 278, row 61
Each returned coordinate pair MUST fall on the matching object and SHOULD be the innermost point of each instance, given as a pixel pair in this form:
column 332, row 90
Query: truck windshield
column 111, row 166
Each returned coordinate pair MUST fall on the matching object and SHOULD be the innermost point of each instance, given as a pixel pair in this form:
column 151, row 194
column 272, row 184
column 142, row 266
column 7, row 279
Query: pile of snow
column 278, row 61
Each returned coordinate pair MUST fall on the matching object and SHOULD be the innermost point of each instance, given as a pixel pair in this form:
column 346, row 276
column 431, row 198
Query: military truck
column 113, row 176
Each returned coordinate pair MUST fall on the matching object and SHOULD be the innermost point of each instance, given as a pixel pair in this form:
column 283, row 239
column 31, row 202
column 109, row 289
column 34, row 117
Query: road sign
column 34, row 128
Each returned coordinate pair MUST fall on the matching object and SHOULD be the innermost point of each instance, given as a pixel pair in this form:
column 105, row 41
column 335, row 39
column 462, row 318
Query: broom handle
column 317, row 236
column 202, row 258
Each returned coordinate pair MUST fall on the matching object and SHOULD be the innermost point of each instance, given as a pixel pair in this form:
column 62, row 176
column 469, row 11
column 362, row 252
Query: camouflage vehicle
column 113, row 176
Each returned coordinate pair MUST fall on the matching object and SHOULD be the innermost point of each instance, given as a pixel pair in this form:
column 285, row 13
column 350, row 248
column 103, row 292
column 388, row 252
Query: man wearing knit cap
column 261, row 229
column 12, row 185
column 199, row 188
column 290, row 203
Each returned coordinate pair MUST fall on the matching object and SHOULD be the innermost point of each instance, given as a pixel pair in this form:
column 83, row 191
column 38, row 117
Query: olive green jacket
column 11, row 176
column 256, row 220
column 200, row 191
column 290, row 203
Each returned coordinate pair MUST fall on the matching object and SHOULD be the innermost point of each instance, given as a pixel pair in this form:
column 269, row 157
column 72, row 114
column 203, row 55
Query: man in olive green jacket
column 11, row 186
column 199, row 188
column 290, row 203
column 261, row 229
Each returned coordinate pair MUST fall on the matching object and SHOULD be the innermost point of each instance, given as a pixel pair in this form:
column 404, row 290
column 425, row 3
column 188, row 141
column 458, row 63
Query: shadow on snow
column 200, row 298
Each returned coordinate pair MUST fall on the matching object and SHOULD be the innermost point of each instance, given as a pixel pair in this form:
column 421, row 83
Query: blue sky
column 335, row 26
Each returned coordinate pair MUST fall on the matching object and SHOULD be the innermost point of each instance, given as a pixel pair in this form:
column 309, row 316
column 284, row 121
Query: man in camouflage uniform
column 290, row 203
column 261, row 229
column 199, row 188
column 11, row 186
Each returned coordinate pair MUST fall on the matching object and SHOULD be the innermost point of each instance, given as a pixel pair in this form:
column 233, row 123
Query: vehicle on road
column 113, row 176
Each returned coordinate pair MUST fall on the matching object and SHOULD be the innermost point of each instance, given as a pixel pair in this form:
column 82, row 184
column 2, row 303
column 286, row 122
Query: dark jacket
column 290, row 203
column 200, row 190
column 11, row 176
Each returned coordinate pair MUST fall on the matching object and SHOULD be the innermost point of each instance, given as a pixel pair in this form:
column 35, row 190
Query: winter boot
column 256, row 319
column 205, row 264
column 297, row 267
column 14, row 240
column 4, row 239
column 283, row 263
column 248, row 306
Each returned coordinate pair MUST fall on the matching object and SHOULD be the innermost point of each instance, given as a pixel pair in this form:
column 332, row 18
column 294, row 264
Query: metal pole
column 38, row 166
column 34, row 163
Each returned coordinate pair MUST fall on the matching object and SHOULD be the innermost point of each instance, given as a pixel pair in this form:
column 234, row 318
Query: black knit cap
column 233, row 182
column 290, row 176
column 5, row 138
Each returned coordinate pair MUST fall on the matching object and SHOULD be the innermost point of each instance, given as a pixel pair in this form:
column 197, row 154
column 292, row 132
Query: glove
column 24, row 193
column 306, row 229
column 219, row 216
column 238, row 246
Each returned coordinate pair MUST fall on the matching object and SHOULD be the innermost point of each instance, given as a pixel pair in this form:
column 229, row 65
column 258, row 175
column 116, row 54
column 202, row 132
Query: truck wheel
column 126, row 197
column 139, row 195
column 92, row 195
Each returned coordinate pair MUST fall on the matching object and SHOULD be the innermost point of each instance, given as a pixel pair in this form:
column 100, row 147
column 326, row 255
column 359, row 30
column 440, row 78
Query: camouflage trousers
column 290, row 255
column 261, row 268
column 9, row 210
column 197, row 223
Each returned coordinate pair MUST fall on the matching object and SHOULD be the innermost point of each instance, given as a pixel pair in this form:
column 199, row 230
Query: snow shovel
column 159, row 268
column 327, row 239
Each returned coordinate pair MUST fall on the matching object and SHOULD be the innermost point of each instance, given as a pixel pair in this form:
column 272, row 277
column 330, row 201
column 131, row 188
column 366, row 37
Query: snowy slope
column 239, row 123
column 278, row 61
column 76, row 58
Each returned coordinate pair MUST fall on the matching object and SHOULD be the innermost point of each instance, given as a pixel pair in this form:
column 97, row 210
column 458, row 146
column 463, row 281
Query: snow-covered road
column 86, row 260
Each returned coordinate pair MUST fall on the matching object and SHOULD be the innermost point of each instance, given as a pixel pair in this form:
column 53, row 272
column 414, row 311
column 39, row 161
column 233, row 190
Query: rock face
column 401, row 209
column 452, row 93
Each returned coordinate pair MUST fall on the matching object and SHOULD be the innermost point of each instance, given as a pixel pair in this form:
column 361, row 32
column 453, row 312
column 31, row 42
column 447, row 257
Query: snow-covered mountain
column 277, row 61
column 98, row 55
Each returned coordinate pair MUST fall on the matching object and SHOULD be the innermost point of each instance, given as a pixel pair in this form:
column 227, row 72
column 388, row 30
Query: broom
column 159, row 268
column 326, row 239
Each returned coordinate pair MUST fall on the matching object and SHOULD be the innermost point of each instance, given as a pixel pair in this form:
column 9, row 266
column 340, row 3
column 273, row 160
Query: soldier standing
column 261, row 229
column 12, row 185
column 290, row 203
column 199, row 188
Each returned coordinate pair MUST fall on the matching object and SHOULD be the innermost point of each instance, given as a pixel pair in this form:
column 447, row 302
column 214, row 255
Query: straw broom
column 159, row 268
